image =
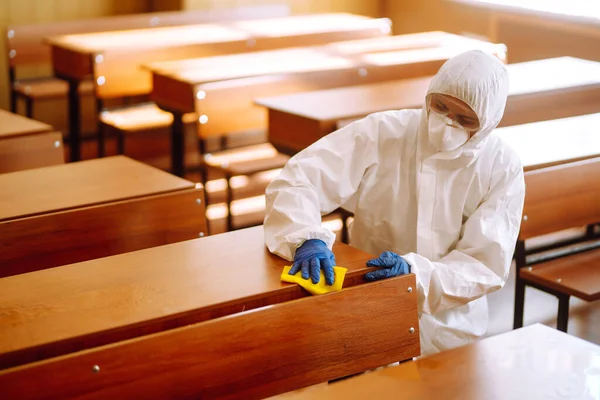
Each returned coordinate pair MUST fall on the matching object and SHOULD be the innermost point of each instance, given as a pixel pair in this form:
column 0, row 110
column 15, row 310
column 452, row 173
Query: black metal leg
column 101, row 139
column 121, row 141
column 178, row 145
column 203, row 169
column 590, row 231
column 228, row 200
column 563, row 313
column 13, row 101
column 345, row 235
column 74, row 121
column 29, row 107
column 519, row 303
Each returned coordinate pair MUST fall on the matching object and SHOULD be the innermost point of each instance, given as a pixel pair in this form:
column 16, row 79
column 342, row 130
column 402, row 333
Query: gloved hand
column 392, row 263
column 311, row 257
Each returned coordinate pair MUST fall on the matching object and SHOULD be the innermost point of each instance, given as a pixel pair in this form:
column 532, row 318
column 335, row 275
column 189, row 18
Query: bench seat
column 576, row 275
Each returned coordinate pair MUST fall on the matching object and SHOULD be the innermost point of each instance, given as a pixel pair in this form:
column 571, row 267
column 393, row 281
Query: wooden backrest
column 250, row 355
column 31, row 151
column 25, row 42
column 50, row 240
column 561, row 197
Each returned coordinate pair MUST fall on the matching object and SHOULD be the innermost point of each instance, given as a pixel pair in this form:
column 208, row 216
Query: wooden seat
column 39, row 89
column 248, row 160
column 133, row 119
column 31, row 151
column 577, row 275
column 558, row 198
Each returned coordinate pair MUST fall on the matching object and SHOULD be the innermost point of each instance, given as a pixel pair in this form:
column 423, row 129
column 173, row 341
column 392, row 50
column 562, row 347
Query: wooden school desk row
column 217, row 88
column 198, row 318
column 26, row 47
column 73, row 212
column 539, row 90
column 113, row 58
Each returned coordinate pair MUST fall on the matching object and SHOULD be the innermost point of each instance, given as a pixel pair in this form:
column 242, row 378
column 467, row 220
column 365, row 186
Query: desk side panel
column 252, row 355
column 32, row 151
column 554, row 104
column 51, row 240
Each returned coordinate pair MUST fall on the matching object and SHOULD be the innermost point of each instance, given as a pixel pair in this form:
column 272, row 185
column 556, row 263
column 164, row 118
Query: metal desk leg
column 178, row 145
column 74, row 121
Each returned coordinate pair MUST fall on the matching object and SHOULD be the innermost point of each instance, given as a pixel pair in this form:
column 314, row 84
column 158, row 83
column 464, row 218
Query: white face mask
column 442, row 135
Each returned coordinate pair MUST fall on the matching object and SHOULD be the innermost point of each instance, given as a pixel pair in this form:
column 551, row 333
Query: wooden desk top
column 535, row 362
column 576, row 11
column 547, row 143
column 357, row 101
column 380, row 51
column 85, row 183
column 211, row 33
column 146, row 286
column 17, row 125
column 90, row 43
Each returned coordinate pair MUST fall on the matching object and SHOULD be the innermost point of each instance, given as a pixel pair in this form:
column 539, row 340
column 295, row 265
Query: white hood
column 481, row 81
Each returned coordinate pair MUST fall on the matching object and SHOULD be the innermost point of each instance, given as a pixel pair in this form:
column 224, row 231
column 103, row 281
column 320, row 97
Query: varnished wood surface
column 28, row 40
column 251, row 355
column 535, row 362
column 554, row 142
column 301, row 70
column 67, row 308
column 86, row 233
column 561, row 197
column 17, row 125
column 72, row 53
column 85, row 183
column 539, row 90
column 578, row 275
column 31, row 151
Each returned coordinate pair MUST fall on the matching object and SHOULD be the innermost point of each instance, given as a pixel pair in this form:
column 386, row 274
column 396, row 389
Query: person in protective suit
column 433, row 191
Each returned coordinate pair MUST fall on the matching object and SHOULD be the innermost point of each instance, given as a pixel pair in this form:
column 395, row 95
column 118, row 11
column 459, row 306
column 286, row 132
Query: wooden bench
column 479, row 371
column 114, row 57
column 539, row 90
column 558, row 198
column 198, row 298
column 80, row 211
column 25, row 45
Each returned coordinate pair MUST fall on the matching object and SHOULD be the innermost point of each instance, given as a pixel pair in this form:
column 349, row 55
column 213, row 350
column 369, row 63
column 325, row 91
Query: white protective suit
column 454, row 216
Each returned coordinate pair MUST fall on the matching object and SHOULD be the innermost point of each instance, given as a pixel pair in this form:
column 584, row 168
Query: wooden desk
column 539, row 90
column 12, row 125
column 217, row 88
column 74, row 57
column 547, row 143
column 74, row 212
column 536, row 362
column 578, row 16
column 107, row 300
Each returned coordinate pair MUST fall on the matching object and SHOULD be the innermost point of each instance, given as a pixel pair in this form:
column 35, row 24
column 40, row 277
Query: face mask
column 442, row 135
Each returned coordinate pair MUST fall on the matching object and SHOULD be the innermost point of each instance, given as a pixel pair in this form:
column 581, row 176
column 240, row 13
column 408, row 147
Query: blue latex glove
column 392, row 265
column 311, row 257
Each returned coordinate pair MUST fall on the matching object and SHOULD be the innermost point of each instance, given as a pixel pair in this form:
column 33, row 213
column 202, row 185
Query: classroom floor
column 540, row 307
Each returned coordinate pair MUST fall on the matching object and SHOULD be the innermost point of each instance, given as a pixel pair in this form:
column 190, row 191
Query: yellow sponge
column 319, row 288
